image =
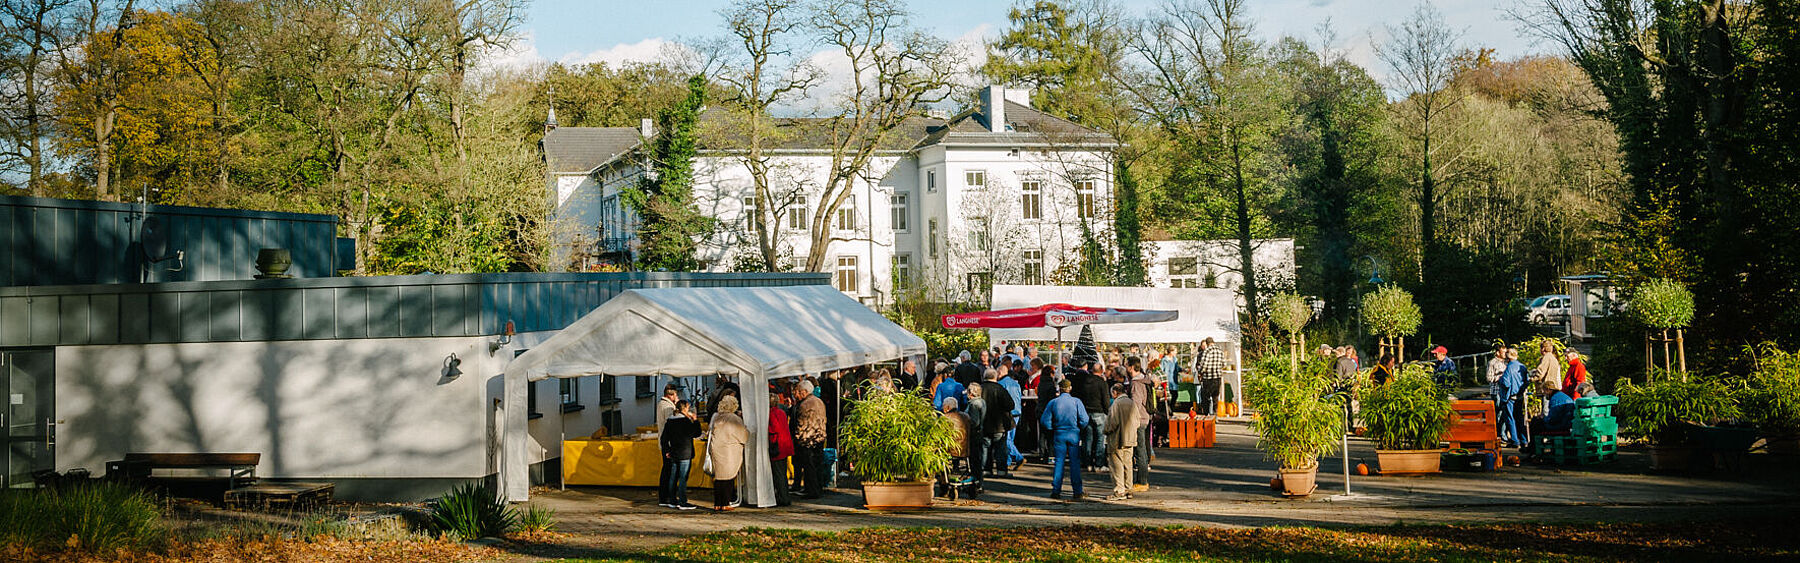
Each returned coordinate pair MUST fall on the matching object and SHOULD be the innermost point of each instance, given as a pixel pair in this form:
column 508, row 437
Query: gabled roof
column 1025, row 125
column 577, row 150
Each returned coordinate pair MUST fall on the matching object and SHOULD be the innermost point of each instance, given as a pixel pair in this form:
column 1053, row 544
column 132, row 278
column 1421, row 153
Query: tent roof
column 767, row 331
column 1203, row 312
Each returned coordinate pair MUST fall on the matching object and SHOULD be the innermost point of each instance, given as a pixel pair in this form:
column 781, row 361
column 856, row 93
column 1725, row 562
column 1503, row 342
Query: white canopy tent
column 1204, row 313
column 753, row 333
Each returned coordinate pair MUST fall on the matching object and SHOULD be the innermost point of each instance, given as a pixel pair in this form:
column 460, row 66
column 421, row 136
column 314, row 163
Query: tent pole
column 1060, row 352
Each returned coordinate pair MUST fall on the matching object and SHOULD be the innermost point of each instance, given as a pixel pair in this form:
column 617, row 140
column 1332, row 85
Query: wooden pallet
column 290, row 494
column 1192, row 433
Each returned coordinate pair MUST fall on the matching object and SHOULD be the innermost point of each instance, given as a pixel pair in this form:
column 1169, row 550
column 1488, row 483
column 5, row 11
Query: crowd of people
column 1102, row 413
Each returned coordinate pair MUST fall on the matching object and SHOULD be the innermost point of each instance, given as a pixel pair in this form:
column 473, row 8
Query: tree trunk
column 1681, row 348
column 1246, row 254
column 103, row 129
column 1427, row 213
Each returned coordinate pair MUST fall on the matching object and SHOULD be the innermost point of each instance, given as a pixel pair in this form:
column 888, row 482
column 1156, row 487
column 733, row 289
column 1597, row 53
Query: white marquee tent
column 1204, row 313
column 752, row 333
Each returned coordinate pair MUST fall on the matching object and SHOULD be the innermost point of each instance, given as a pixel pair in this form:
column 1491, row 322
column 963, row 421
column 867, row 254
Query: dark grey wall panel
column 326, row 308
column 47, row 241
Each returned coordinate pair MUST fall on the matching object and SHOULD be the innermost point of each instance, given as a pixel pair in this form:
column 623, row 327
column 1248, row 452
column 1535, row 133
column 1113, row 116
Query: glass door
column 29, row 414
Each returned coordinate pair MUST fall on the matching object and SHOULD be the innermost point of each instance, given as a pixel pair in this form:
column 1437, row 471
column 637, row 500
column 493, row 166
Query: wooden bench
column 238, row 466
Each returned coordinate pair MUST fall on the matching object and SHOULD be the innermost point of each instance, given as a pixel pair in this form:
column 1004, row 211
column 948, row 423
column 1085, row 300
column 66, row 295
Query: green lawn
column 1503, row 542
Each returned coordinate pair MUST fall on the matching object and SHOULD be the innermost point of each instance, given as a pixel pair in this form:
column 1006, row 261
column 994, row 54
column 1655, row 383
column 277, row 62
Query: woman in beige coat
column 726, row 450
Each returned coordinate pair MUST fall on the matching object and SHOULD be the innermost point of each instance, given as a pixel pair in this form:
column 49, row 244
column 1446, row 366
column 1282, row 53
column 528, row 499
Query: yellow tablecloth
column 623, row 463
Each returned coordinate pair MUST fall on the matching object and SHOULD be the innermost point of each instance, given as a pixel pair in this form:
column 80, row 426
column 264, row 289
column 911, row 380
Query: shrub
column 93, row 517
column 472, row 511
column 1410, row 412
column 1297, row 420
column 1657, row 408
column 1390, row 311
column 1289, row 312
column 1662, row 304
column 1772, row 398
column 893, row 437
column 537, row 519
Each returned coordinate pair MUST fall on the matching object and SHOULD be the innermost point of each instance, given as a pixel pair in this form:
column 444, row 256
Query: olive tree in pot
column 1772, row 398
column 1663, row 409
column 1297, row 419
column 1406, row 418
column 1391, row 313
column 895, row 444
column 1664, row 305
column 1290, row 313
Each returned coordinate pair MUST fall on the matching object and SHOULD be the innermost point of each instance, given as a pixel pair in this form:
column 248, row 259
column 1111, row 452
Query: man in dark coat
column 967, row 371
column 996, row 421
column 1093, row 392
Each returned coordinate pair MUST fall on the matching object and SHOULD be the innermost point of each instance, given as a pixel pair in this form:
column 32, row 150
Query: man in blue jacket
column 1507, row 398
column 949, row 388
column 1065, row 417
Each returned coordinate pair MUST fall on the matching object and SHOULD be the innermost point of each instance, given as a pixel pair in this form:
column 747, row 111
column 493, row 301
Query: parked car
column 1547, row 309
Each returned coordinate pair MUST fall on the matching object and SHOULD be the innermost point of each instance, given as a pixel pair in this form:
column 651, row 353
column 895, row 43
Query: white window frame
column 1085, row 204
column 851, row 284
column 979, row 239
column 900, row 212
column 1034, row 267
column 1189, row 278
column 1031, row 199
column 932, row 235
column 931, row 180
column 975, row 178
column 902, row 271
column 796, row 217
column 846, row 216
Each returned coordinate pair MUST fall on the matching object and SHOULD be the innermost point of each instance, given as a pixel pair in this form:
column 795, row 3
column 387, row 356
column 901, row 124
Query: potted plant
column 1298, row 419
column 895, row 444
column 1391, row 313
column 1662, row 410
column 1664, row 305
column 1406, row 418
column 1772, row 398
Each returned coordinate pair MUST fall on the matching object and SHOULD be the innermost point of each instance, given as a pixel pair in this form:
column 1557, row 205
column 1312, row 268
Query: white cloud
column 648, row 50
column 521, row 54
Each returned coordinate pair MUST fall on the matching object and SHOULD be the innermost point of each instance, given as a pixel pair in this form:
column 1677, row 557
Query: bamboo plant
column 1410, row 412
column 1658, row 408
column 1297, row 418
column 895, row 437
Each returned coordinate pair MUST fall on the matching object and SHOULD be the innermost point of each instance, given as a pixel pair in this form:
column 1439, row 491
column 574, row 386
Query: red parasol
column 1055, row 315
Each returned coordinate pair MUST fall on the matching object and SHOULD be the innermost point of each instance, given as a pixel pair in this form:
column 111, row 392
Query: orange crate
column 1472, row 421
column 1192, row 433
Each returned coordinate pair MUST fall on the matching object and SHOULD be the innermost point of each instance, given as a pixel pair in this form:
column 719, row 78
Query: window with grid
column 1184, row 272
column 1084, row 198
column 1034, row 267
column 897, row 206
column 932, row 237
column 846, row 216
column 902, row 271
column 979, row 282
column 796, row 218
column 846, row 277
column 1032, row 196
column 978, row 235
column 975, row 178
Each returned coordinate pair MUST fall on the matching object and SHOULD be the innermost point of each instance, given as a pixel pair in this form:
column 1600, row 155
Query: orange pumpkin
column 1362, row 469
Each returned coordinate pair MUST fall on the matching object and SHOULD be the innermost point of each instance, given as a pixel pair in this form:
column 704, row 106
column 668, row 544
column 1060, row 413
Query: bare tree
column 894, row 72
column 1422, row 53
column 760, row 69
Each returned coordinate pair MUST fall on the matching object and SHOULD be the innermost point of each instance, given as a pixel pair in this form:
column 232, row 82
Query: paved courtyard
column 1227, row 486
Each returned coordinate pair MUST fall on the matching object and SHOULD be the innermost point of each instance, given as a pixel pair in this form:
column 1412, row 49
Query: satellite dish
column 154, row 239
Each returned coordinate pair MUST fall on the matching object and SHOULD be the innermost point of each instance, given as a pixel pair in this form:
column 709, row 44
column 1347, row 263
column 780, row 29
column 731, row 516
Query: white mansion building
column 948, row 206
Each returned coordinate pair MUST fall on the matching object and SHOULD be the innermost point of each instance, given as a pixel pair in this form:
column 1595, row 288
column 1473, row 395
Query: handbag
column 706, row 466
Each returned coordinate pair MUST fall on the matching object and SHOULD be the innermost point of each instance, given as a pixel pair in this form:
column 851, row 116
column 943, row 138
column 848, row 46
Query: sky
column 584, row 31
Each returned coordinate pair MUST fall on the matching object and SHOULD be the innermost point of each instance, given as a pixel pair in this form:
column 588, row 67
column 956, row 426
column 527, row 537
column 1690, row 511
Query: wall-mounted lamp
column 504, row 339
column 452, row 367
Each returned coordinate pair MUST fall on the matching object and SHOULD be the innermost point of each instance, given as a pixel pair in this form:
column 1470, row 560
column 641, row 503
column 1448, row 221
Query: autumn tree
column 1421, row 53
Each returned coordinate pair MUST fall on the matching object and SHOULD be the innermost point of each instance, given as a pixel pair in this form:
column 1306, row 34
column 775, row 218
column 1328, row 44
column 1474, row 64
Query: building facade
column 946, row 208
column 1218, row 263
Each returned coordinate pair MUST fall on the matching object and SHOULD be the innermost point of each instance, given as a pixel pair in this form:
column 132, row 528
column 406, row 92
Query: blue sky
column 615, row 30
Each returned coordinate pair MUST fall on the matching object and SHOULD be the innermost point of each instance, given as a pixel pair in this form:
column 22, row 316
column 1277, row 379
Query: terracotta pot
column 1299, row 482
column 916, row 494
column 1409, row 462
column 1671, row 458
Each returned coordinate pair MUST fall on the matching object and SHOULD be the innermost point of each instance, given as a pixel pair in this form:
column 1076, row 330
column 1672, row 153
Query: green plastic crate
column 1599, row 426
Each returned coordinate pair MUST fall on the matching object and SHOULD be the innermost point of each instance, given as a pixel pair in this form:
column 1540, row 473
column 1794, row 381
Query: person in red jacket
column 1576, row 375
column 781, row 447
